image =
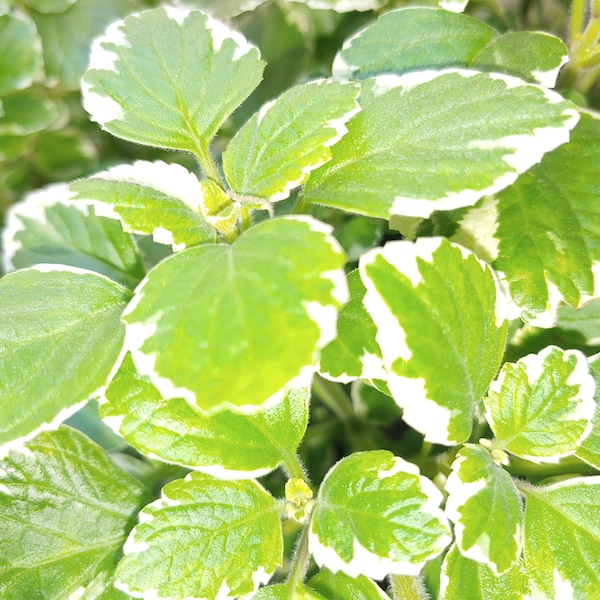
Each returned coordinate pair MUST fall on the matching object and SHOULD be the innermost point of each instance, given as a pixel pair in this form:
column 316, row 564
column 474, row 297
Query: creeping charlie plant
column 402, row 243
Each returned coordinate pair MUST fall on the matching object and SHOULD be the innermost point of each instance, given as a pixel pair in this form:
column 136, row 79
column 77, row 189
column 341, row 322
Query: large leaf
column 339, row 586
column 150, row 198
column 376, row 515
column 204, row 538
column 169, row 77
column 227, row 444
column 442, row 327
column 60, row 335
column 65, row 512
column 405, row 152
column 20, row 52
column 589, row 451
column 275, row 151
column 45, row 228
column 556, row 256
column 562, row 537
column 465, row 579
column 354, row 353
column 437, row 39
column 243, row 320
column 486, row 509
column 67, row 36
column 541, row 408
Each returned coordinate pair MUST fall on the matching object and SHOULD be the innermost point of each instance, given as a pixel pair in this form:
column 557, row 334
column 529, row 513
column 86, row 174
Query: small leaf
column 589, row 451
column 45, row 228
column 562, row 537
column 465, row 579
column 169, row 77
column 580, row 325
column 275, row 151
column 150, row 198
column 339, row 586
column 354, row 353
column 227, row 444
column 556, row 256
column 376, row 515
column 50, row 6
column 66, row 510
column 20, row 53
column 431, row 39
column 442, row 326
column 486, row 508
column 222, row 539
column 541, row 407
column 533, row 55
column 268, row 302
column 27, row 113
column 60, row 335
column 405, row 152
column 67, row 36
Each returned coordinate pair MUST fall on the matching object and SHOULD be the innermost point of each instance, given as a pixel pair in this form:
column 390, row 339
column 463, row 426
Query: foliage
column 356, row 313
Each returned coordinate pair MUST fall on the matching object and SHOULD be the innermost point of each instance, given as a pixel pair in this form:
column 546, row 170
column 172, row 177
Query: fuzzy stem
column 407, row 587
column 576, row 24
column 299, row 563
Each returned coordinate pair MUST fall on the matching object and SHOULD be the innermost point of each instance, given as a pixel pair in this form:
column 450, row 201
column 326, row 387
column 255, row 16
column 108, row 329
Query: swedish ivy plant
column 405, row 249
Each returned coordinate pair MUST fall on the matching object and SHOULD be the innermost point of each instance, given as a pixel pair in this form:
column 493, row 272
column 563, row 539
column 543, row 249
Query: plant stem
column 334, row 397
column 294, row 468
column 302, row 206
column 207, row 164
column 576, row 24
column 299, row 563
column 407, row 587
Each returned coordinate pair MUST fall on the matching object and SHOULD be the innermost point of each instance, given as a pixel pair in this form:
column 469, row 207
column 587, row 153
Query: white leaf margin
column 365, row 562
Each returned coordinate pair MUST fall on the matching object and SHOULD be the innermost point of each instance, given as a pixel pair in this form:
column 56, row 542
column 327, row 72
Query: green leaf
column 589, row 451
column 486, row 509
column 60, row 335
column 63, row 155
column 50, row 6
column 438, row 39
column 226, row 9
column 541, row 407
column 556, row 256
column 405, row 152
column 45, row 228
column 226, row 444
column 66, row 510
column 223, row 538
column 465, row 579
column 275, row 151
column 562, row 537
column 268, row 302
column 354, row 353
column 169, row 77
column 20, row 53
column 150, row 198
column 339, row 586
column 431, row 39
column 27, row 113
column 580, row 325
column 67, row 36
column 442, row 328
column 376, row 515
column 283, row 591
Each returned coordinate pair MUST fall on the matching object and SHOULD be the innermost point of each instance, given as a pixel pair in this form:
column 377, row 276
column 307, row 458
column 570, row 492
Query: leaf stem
column 299, row 563
column 334, row 397
column 302, row 206
column 207, row 163
column 576, row 24
column 294, row 468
